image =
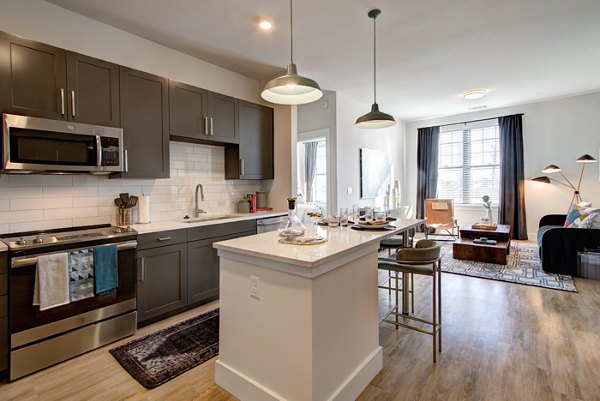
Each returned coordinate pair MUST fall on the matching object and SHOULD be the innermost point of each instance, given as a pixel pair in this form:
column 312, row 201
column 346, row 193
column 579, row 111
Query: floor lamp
column 585, row 159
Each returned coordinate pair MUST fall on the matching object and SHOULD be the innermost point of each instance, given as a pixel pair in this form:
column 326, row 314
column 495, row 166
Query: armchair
column 558, row 245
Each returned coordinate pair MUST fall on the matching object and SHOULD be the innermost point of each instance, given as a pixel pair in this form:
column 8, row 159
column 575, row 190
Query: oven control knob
column 21, row 241
column 128, row 229
column 38, row 240
column 118, row 230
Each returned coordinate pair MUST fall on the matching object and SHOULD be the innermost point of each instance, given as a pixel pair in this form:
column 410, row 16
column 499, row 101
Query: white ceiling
column 429, row 51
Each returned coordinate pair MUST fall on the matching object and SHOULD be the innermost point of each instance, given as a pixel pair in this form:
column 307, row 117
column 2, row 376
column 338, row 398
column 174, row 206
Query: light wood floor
column 501, row 342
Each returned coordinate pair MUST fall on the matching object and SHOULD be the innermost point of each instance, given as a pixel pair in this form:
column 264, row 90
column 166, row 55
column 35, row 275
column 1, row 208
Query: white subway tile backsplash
column 20, row 192
column 21, row 216
column 41, row 202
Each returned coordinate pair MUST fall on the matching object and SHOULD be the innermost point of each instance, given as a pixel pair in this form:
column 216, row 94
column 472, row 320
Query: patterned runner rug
column 523, row 267
column 159, row 357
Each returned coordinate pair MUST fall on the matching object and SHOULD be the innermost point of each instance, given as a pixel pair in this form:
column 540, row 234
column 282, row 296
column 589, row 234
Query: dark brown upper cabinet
column 145, row 121
column 45, row 81
column 201, row 116
column 253, row 158
column 93, row 90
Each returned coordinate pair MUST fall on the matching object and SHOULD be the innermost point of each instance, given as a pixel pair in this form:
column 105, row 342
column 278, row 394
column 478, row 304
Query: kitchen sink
column 209, row 217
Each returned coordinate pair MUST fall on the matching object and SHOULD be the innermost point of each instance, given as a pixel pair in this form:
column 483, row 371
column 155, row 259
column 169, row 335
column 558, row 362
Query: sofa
column 558, row 245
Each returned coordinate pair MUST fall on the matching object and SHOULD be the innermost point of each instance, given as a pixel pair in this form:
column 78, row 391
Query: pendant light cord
column 291, row 35
column 374, row 59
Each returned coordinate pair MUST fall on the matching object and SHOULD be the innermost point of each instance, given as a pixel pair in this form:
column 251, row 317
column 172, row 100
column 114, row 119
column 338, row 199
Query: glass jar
column 293, row 226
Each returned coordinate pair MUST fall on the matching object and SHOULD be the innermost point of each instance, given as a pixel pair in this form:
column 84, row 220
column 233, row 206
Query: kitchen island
column 300, row 322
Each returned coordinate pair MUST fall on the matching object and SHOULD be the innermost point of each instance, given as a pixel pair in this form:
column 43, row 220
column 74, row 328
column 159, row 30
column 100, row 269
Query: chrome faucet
column 197, row 210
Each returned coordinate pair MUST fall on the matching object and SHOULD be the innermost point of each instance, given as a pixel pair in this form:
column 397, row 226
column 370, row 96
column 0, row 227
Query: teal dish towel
column 106, row 266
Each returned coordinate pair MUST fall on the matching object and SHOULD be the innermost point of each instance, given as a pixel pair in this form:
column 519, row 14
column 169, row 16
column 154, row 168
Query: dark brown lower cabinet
column 3, row 311
column 162, row 280
column 203, row 268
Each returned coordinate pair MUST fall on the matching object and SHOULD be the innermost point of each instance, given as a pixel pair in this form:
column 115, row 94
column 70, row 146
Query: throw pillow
column 587, row 221
column 573, row 214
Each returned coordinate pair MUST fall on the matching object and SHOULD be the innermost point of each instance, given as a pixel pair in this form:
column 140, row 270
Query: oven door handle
column 32, row 260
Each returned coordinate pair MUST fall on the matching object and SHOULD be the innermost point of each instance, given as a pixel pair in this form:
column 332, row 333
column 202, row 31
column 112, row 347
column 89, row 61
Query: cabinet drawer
column 162, row 238
column 217, row 230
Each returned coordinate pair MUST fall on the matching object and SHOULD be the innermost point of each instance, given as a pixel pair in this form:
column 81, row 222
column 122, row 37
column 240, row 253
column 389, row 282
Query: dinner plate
column 386, row 227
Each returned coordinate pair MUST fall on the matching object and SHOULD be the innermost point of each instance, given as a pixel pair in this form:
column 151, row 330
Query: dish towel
column 51, row 288
column 81, row 274
column 106, row 266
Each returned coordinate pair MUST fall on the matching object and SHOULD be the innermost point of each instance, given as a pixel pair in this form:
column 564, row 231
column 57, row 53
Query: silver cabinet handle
column 62, row 101
column 164, row 238
column 212, row 130
column 205, row 125
column 73, row 103
column 242, row 167
column 141, row 273
column 126, row 161
column 98, row 151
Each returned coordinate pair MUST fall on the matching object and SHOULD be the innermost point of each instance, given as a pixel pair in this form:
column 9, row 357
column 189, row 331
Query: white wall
column 47, row 23
column 339, row 117
column 554, row 132
column 350, row 139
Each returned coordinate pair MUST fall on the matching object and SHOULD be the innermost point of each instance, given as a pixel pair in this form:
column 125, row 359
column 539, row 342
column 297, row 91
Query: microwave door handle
column 126, row 162
column 98, row 150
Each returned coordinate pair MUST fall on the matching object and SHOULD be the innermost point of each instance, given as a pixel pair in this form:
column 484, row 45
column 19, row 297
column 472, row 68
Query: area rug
column 523, row 267
column 159, row 357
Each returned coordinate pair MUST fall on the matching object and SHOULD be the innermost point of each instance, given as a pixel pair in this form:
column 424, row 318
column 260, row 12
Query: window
column 319, row 185
column 469, row 163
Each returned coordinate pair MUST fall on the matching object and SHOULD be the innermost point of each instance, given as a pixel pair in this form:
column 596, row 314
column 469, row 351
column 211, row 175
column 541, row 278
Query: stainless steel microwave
column 39, row 145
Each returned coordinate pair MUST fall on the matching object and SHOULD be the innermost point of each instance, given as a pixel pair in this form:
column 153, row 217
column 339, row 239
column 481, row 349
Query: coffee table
column 465, row 249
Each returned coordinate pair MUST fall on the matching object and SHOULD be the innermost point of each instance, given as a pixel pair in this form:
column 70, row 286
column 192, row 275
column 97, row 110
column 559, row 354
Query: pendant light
column 375, row 118
column 291, row 88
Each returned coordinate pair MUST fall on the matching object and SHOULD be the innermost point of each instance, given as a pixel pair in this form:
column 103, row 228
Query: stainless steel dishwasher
column 269, row 223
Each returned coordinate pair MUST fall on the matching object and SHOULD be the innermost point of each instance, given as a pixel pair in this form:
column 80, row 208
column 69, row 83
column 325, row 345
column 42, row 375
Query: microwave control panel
column 110, row 151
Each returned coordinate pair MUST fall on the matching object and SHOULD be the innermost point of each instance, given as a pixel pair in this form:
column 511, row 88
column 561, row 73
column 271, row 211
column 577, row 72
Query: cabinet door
column 254, row 157
column 32, row 78
column 93, row 90
column 203, row 268
column 162, row 280
column 145, row 121
column 188, row 111
column 222, row 112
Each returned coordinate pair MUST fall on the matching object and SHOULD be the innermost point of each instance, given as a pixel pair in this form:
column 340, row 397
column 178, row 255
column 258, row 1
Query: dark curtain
column 310, row 167
column 427, row 165
column 511, row 209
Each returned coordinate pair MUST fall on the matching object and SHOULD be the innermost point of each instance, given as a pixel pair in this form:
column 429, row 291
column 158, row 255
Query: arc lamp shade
column 375, row 119
column 291, row 88
column 586, row 159
column 553, row 168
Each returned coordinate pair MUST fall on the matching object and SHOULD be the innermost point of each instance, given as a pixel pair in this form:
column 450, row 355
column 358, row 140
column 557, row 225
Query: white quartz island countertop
column 312, row 259
column 300, row 322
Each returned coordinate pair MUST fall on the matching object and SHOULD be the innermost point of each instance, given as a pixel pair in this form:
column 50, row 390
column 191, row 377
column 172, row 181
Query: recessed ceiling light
column 474, row 94
column 265, row 25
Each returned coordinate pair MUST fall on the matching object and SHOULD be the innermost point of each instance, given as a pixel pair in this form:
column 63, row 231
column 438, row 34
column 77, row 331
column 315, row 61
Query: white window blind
column 469, row 163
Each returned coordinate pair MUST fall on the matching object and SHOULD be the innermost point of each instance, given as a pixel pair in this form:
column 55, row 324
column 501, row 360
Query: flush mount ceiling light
column 474, row 94
column 291, row 88
column 375, row 118
column 265, row 25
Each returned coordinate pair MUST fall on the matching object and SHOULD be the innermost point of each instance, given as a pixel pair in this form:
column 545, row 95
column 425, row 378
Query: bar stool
column 424, row 260
column 394, row 242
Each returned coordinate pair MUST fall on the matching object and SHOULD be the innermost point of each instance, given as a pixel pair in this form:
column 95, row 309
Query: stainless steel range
column 41, row 338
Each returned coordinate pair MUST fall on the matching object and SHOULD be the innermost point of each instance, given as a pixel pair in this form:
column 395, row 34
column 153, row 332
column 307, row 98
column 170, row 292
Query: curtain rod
column 482, row 119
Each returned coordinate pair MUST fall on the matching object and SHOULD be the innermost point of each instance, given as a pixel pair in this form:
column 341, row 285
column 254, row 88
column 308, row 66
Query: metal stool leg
column 435, row 315
column 439, row 265
column 412, row 292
